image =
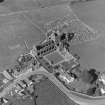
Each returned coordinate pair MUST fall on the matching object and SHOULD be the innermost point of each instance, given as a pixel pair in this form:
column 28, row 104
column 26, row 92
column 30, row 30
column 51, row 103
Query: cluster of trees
column 91, row 76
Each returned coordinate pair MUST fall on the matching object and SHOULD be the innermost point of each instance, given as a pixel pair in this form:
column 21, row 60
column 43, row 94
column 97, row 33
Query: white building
column 66, row 77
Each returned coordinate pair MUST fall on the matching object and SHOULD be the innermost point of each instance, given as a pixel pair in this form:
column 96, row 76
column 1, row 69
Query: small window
column 63, row 37
column 70, row 36
column 39, row 47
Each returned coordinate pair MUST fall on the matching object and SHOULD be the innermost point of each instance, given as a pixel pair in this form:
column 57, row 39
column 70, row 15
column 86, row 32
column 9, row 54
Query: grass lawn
column 14, row 30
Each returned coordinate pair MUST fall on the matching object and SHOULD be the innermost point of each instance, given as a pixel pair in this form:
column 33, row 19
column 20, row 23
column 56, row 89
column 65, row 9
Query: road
column 76, row 97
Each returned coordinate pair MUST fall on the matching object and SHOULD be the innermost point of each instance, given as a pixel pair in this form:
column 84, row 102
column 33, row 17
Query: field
column 49, row 3
column 14, row 30
column 92, row 53
column 45, row 16
column 57, row 97
column 26, row 5
column 20, row 5
column 91, row 13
